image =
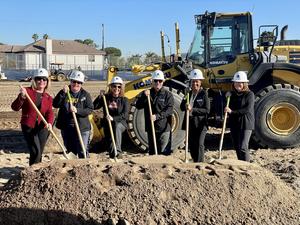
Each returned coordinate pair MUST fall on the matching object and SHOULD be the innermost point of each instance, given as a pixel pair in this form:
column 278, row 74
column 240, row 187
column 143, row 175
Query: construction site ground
column 142, row 189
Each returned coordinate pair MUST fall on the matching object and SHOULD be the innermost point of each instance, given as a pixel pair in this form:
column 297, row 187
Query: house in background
column 70, row 54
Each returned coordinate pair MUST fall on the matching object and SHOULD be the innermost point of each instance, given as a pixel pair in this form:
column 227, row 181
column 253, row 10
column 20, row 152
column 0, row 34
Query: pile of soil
column 147, row 190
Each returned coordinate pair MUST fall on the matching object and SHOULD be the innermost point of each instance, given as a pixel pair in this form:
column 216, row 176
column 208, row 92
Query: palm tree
column 134, row 59
column 150, row 57
column 35, row 37
column 45, row 36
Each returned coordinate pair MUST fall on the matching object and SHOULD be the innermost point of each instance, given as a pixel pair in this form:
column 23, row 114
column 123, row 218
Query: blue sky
column 131, row 25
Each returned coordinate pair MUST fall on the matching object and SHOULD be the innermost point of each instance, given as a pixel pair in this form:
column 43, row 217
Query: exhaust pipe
column 283, row 32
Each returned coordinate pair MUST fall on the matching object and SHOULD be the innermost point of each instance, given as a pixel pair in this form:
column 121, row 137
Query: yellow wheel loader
column 223, row 44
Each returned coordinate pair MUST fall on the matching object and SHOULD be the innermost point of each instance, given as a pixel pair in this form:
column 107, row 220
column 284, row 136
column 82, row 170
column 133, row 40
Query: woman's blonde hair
column 121, row 91
column 33, row 84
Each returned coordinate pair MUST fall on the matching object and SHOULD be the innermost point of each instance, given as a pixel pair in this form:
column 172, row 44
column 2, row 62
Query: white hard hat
column 77, row 75
column 158, row 75
column 41, row 72
column 240, row 76
column 116, row 80
column 196, row 74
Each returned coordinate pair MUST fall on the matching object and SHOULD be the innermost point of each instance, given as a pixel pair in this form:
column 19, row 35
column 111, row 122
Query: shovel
column 77, row 126
column 187, row 129
column 152, row 125
column 110, row 129
column 46, row 123
column 228, row 94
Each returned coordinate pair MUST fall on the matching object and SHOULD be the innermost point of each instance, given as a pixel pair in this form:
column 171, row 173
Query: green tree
column 267, row 36
column 35, row 37
column 88, row 42
column 45, row 36
column 151, row 57
column 79, row 40
column 112, row 51
column 134, row 60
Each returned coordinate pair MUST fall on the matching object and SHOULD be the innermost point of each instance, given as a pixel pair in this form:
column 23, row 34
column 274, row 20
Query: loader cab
column 222, row 45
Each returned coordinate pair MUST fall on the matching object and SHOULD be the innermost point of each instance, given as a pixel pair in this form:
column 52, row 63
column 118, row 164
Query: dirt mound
column 161, row 191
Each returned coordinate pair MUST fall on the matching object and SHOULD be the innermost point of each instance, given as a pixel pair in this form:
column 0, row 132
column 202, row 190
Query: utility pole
column 102, row 37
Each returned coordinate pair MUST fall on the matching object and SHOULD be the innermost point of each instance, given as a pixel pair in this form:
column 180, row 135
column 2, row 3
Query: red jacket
column 29, row 115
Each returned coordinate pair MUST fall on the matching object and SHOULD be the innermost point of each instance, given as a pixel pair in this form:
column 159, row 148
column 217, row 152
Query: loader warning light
column 142, row 84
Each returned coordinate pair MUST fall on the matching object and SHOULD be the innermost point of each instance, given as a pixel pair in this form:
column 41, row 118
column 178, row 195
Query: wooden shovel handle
column 152, row 125
column 46, row 123
column 77, row 126
column 110, row 127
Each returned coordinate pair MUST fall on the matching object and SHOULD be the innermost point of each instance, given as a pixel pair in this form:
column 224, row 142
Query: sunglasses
column 76, row 82
column 40, row 78
column 157, row 81
column 117, row 86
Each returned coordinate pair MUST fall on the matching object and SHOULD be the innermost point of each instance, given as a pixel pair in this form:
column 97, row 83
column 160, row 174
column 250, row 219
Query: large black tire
column 136, row 125
column 277, row 116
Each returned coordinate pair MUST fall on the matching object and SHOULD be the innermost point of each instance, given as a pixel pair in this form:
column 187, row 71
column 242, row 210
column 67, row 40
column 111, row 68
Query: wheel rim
column 175, row 121
column 60, row 77
column 283, row 119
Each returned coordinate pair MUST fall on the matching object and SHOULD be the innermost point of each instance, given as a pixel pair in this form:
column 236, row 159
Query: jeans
column 36, row 139
column 118, row 129
column 72, row 143
column 240, row 139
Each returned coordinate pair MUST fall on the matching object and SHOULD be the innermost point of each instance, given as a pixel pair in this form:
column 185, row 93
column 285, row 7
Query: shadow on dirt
column 12, row 141
column 212, row 141
column 25, row 216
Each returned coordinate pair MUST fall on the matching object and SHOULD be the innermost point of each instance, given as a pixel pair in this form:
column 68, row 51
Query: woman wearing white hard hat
column 34, row 130
column 241, row 115
column 162, row 103
column 198, row 105
column 118, row 113
column 82, row 105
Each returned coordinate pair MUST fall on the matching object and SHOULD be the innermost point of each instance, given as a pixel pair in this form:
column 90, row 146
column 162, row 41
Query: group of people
column 73, row 99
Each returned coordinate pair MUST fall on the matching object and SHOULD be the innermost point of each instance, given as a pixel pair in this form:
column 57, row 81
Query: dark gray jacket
column 84, row 106
column 200, row 110
column 162, row 104
column 242, row 115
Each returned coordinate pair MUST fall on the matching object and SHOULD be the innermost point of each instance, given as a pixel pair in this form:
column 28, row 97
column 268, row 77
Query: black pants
column 240, row 139
column 36, row 139
column 196, row 143
column 163, row 142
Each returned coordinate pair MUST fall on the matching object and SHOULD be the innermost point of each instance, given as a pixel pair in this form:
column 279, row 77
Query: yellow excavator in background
column 223, row 44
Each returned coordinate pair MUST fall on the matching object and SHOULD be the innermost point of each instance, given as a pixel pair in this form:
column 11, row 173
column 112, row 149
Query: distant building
column 70, row 54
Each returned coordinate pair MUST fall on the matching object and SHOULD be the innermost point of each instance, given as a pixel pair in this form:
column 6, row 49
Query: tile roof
column 58, row 47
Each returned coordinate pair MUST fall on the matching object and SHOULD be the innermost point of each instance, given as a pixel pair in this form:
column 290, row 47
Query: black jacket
column 200, row 110
column 119, row 113
column 162, row 104
column 84, row 107
column 242, row 115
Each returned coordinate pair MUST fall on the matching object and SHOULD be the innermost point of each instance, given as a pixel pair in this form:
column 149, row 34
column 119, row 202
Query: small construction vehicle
column 56, row 72
column 223, row 44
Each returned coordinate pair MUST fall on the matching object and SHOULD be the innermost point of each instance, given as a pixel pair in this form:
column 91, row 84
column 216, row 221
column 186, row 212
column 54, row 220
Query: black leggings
column 36, row 139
